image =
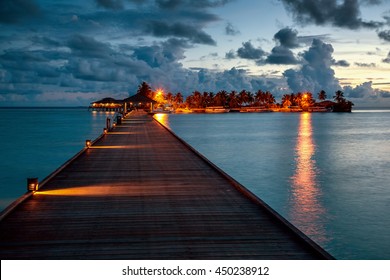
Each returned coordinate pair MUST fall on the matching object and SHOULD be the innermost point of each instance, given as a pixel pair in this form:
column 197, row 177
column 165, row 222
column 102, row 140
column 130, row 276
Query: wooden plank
column 140, row 193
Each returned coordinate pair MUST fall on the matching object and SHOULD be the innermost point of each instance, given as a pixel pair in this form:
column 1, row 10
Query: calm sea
column 327, row 173
column 36, row 141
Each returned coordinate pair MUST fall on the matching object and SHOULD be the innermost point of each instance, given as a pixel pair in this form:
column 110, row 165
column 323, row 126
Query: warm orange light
column 32, row 184
column 305, row 190
column 162, row 118
column 159, row 92
column 88, row 143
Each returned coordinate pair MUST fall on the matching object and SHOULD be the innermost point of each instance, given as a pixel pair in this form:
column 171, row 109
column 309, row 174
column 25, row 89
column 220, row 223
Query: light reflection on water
column 306, row 209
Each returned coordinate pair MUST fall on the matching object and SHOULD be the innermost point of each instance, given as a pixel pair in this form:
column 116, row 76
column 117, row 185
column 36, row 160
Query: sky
column 71, row 52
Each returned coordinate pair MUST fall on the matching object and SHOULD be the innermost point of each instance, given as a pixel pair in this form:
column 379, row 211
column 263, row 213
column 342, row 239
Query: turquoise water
column 327, row 173
column 36, row 141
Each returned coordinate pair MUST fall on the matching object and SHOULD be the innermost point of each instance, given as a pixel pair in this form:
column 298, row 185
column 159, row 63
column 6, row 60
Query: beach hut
column 139, row 101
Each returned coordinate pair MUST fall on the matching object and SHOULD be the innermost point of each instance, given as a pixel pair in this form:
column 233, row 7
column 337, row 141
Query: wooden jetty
column 139, row 192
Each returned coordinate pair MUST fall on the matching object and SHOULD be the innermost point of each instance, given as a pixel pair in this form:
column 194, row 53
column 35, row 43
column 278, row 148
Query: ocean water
column 36, row 141
column 327, row 173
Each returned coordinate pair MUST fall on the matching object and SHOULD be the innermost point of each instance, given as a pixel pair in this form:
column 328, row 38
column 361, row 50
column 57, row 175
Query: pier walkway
column 141, row 193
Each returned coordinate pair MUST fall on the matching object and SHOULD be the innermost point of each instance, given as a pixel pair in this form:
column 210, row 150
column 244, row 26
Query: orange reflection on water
column 162, row 118
column 306, row 210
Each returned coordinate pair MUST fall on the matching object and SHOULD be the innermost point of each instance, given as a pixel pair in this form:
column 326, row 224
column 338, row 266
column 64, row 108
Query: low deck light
column 105, row 130
column 32, row 184
column 88, row 143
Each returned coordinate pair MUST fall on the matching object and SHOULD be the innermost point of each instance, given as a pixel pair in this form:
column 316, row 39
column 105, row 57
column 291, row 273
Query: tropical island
column 156, row 101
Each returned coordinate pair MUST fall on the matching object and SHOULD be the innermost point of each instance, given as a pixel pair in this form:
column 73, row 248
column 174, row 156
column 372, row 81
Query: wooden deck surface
column 139, row 193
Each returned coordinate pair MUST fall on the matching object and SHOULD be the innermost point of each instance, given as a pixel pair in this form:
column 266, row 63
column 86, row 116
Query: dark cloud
column 15, row 11
column 248, row 51
column 168, row 4
column 281, row 55
column 287, row 38
column 316, row 73
column 341, row 63
column 158, row 55
column 387, row 59
column 344, row 13
column 231, row 30
column 110, row 4
column 230, row 55
column 385, row 35
column 45, row 41
column 199, row 4
column 181, row 30
column 88, row 47
column 371, row 2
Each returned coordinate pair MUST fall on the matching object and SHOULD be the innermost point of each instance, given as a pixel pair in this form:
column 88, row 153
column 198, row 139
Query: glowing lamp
column 32, row 184
column 88, row 143
column 105, row 130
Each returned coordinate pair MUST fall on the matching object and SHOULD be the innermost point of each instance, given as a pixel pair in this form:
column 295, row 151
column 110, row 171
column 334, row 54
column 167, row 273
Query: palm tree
column 339, row 97
column 232, row 99
column 145, row 89
column 197, row 99
column 260, row 97
column 220, row 98
column 322, row 95
column 169, row 98
column 286, row 100
column 269, row 99
column 251, row 98
column 243, row 97
column 177, row 100
column 190, row 102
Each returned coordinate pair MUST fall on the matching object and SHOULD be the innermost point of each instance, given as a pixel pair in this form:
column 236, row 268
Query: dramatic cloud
column 281, row 55
column 88, row 47
column 77, row 50
column 385, row 35
column 316, row 73
column 162, row 29
column 365, row 91
column 15, row 11
column 110, row 4
column 248, row 51
column 287, row 38
column 344, row 13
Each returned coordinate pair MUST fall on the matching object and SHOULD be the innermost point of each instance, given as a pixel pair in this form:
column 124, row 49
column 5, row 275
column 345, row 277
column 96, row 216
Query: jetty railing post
column 108, row 124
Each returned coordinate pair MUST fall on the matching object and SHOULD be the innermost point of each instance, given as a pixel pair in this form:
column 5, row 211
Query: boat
column 217, row 109
column 252, row 109
column 318, row 109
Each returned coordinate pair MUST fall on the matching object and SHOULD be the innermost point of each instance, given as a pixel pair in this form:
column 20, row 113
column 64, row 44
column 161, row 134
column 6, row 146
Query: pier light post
column 88, row 143
column 108, row 123
column 32, row 184
column 105, row 130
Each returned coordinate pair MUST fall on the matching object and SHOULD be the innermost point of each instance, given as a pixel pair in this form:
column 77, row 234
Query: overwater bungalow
column 137, row 101
column 107, row 104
